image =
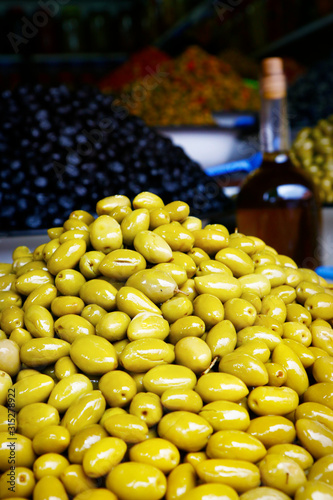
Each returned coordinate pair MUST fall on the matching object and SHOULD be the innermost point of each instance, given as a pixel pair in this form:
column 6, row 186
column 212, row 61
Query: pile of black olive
column 61, row 148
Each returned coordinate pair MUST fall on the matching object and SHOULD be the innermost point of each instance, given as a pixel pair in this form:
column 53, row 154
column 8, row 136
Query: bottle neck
column 274, row 126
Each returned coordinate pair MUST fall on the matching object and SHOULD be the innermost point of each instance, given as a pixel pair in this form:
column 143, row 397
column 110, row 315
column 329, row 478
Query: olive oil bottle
column 278, row 202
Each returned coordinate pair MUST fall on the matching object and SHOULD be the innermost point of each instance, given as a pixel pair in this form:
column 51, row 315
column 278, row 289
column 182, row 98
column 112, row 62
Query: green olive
column 272, row 429
column 75, row 480
column 209, row 308
column 141, row 355
column 237, row 260
column 176, row 236
column 157, row 452
column 67, row 390
column 93, row 313
column 51, row 439
column 247, row 368
column 15, row 450
column 222, row 338
column 181, row 400
column 147, row 481
column 226, row 415
column 34, row 417
column 94, row 355
column 283, row 473
column 99, row 292
column 103, row 456
column 238, row 474
column 113, row 326
column 49, row 464
column 89, row 264
column 181, row 480
column 70, row 326
column 158, row 217
column 178, row 210
column 160, row 378
column 43, row 351
column 121, row 264
column 118, row 388
column 147, row 200
column 215, row 386
column 152, row 247
column 83, row 440
column 293, row 451
column 69, row 282
column 176, row 308
column 132, row 302
column 155, row 283
column 147, row 406
column 235, row 445
column 9, row 357
column 210, row 240
column 129, row 428
column 273, row 400
column 105, row 234
column 193, row 353
column 147, row 325
column 84, row 411
column 220, row 285
column 134, row 223
column 186, row 430
column 188, row 326
column 21, row 481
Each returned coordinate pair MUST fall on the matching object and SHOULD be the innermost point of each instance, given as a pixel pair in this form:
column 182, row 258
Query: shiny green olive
column 132, row 302
column 152, row 247
column 34, row 417
column 320, row 306
column 94, row 355
column 64, row 367
column 89, row 264
column 67, row 390
column 274, row 307
column 93, row 313
column 51, row 439
column 192, row 223
column 39, row 321
column 304, row 353
column 178, row 210
column 273, row 272
column 70, row 326
column 106, row 205
column 141, row 355
column 9, row 357
column 158, row 217
column 9, row 298
column 119, row 213
column 186, row 430
column 148, row 325
column 294, row 330
column 69, row 282
column 237, row 260
column 75, row 480
column 28, row 282
column 99, row 292
column 34, row 389
column 277, row 375
column 160, row 378
column 181, row 480
column 147, row 200
column 147, row 481
column 15, row 449
column 273, row 400
column 247, row 368
column 321, row 392
column 198, row 255
column 181, row 400
column 225, row 415
column 220, row 285
column 209, row 308
column 121, row 264
column 212, row 266
column 41, row 352
column 293, row 451
column 210, row 240
column 129, row 428
column 242, row 243
column 66, row 256
column 215, row 386
column 118, row 388
column 269, row 322
column 20, row 336
column 272, row 429
column 176, row 308
column 103, row 456
column 113, row 326
column 49, row 464
column 135, row 222
column 176, row 236
column 235, row 445
column 222, row 338
column 238, row 474
column 20, row 481
column 255, row 283
column 67, row 304
column 193, row 353
column 105, row 234
column 296, row 312
column 84, row 411
column 42, row 296
column 157, row 284
column 263, row 333
column 192, row 326
column 157, row 452
column 297, row 377
column 312, row 489
column 315, row 437
column 254, row 299
column 240, row 312
column 281, row 472
column 147, row 406
column 83, row 440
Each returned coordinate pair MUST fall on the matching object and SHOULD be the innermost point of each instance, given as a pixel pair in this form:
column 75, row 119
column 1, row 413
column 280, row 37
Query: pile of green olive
column 145, row 357
column 313, row 150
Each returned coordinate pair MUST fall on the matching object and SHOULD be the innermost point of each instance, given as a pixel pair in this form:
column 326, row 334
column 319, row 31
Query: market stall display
column 313, row 150
column 141, row 355
column 188, row 89
column 59, row 147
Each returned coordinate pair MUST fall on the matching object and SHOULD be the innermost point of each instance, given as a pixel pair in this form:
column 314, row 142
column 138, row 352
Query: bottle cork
column 273, row 80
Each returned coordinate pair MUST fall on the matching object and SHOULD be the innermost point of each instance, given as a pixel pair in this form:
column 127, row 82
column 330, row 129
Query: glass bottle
column 278, row 202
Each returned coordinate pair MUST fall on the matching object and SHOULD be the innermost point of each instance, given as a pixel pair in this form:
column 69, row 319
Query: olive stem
column 210, row 366
column 181, row 291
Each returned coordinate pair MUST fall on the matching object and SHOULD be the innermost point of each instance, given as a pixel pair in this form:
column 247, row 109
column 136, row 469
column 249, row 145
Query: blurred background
column 178, row 82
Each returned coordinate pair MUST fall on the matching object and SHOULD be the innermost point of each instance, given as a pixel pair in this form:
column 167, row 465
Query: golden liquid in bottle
column 278, row 203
